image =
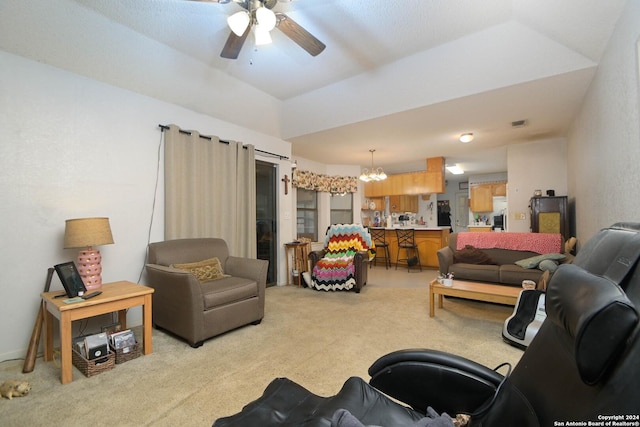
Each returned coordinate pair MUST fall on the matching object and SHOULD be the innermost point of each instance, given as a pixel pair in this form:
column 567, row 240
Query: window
column 307, row 214
column 342, row 209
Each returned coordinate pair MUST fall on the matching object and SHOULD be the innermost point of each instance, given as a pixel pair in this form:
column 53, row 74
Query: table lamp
column 84, row 233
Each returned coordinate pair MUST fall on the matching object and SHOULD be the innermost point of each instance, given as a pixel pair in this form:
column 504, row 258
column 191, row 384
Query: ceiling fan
column 258, row 14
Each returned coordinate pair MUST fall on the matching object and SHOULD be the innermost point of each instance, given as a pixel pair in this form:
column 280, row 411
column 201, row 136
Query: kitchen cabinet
column 481, row 198
column 499, row 189
column 374, row 204
column 402, row 204
column 550, row 215
column 428, row 241
column 413, row 183
column 481, row 195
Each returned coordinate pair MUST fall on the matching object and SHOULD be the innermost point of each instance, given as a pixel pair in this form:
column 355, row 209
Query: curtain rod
column 186, row 132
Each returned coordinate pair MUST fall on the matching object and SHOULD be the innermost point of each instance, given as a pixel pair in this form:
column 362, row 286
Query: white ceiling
column 404, row 77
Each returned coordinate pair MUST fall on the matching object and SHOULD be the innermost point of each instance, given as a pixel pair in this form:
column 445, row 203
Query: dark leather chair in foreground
column 583, row 365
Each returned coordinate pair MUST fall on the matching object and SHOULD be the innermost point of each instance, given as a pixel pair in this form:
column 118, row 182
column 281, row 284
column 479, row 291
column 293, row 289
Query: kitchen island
column 428, row 239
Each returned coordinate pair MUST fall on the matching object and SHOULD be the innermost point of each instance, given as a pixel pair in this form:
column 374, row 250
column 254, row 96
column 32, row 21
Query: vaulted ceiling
column 404, row 77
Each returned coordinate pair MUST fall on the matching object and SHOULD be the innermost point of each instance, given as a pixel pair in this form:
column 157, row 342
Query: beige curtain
column 210, row 190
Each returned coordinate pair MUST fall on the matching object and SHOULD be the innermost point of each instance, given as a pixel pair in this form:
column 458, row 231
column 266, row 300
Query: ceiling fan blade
column 232, row 47
column 299, row 35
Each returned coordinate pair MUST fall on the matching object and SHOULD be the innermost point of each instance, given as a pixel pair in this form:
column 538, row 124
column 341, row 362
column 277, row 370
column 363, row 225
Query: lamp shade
column 87, row 232
column 261, row 35
column 266, row 18
column 238, row 22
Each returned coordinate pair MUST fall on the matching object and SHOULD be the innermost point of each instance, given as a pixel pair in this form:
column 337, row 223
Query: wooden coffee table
column 501, row 294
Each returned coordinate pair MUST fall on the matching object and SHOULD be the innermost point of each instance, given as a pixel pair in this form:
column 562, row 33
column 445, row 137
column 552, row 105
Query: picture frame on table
column 70, row 278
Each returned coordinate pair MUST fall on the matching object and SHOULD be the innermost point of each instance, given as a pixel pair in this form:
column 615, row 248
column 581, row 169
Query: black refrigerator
column 550, row 215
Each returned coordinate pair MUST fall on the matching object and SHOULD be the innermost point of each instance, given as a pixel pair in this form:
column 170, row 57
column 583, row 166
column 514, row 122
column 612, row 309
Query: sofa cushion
column 471, row 255
column 534, row 261
column 205, row 270
column 511, row 274
column 548, row 265
column 475, row 272
column 507, row 256
column 228, row 290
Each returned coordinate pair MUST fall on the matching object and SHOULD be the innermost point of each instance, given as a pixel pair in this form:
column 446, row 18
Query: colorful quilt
column 336, row 270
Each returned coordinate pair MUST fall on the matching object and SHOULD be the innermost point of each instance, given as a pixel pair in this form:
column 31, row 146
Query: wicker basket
column 95, row 366
column 126, row 353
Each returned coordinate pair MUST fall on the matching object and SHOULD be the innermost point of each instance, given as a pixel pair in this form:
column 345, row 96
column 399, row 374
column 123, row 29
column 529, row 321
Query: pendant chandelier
column 373, row 174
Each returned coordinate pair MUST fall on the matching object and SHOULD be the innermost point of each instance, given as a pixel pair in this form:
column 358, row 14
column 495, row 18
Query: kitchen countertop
column 428, row 238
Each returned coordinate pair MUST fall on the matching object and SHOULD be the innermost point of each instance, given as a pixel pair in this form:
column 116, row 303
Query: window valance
column 329, row 184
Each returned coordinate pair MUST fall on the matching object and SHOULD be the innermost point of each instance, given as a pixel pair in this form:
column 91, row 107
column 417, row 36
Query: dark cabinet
column 550, row 215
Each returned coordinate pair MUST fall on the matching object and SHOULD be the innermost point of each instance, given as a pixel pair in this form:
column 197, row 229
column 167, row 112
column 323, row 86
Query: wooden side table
column 299, row 259
column 116, row 296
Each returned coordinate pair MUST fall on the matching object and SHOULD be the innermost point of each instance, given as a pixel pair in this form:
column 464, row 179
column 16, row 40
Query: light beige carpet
column 317, row 339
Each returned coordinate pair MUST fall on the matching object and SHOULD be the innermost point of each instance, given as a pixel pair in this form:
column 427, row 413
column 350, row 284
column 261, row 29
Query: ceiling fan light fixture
column 261, row 35
column 266, row 18
column 238, row 22
column 466, row 137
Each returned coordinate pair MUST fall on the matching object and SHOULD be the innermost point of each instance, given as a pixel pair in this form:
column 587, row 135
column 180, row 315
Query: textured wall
column 74, row 147
column 604, row 142
column 534, row 166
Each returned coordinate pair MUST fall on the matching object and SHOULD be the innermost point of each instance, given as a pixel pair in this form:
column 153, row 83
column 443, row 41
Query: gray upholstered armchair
column 198, row 309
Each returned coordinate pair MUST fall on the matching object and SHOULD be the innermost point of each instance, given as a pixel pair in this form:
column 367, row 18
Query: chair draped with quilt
column 342, row 264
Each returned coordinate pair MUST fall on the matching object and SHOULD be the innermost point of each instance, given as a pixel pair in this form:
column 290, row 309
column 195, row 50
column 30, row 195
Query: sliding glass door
column 266, row 216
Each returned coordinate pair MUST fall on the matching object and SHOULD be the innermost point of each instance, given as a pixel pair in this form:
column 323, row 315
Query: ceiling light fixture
column 266, row 18
column 455, row 169
column 373, row 174
column 466, row 137
column 263, row 18
column 258, row 14
column 238, row 22
column 261, row 35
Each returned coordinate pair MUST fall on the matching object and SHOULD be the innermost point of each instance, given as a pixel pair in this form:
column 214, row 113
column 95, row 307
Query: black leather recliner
column 582, row 366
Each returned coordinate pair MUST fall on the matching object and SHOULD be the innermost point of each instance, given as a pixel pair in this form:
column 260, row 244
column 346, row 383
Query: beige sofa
column 197, row 310
column 503, row 269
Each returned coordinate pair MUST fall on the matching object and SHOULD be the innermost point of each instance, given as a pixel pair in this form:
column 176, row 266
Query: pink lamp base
column 90, row 268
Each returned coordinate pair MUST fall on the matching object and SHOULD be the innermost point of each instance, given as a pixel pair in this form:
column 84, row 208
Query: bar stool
column 379, row 239
column 406, row 241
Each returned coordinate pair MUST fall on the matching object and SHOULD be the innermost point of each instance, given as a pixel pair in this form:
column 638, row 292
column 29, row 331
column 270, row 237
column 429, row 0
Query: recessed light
column 466, row 137
column 455, row 169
